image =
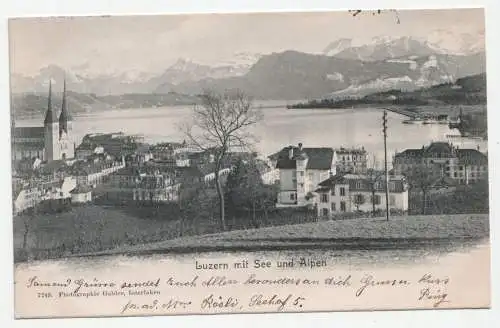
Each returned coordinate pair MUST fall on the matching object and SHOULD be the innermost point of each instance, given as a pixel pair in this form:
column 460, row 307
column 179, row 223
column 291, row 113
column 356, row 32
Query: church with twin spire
column 52, row 142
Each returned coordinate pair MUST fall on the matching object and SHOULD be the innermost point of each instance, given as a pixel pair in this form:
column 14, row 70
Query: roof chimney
column 300, row 145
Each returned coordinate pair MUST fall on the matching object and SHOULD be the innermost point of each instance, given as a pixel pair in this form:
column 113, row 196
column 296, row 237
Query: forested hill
column 27, row 104
column 470, row 90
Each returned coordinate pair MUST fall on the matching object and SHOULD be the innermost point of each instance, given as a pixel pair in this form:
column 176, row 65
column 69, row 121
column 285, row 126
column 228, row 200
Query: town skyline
column 116, row 43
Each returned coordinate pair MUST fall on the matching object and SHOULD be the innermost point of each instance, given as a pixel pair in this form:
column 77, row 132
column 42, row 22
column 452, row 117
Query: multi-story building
column 300, row 171
column 353, row 160
column 355, row 192
column 117, row 144
column 94, row 172
column 35, row 190
column 166, row 150
column 443, row 159
column 51, row 142
column 155, row 188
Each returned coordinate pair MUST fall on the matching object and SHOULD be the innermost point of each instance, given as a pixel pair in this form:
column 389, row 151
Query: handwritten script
column 242, row 286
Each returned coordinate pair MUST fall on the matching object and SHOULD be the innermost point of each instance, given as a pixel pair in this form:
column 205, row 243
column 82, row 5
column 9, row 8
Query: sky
column 152, row 43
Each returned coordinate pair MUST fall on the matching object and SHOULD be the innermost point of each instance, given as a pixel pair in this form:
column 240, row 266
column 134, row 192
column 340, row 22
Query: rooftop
column 31, row 132
column 319, row 158
column 358, row 151
column 361, row 182
column 81, row 189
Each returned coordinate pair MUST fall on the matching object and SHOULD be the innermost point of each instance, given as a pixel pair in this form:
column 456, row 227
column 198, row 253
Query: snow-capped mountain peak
column 337, row 46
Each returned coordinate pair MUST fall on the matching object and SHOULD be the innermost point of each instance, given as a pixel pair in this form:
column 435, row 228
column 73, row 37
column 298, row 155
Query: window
column 376, row 200
column 301, row 185
column 342, row 206
column 358, row 198
column 461, row 168
column 455, row 174
column 292, row 196
column 294, row 174
column 392, row 200
column 301, row 173
column 333, row 191
column 324, row 212
column 334, row 207
column 324, row 198
column 342, row 191
column 359, row 184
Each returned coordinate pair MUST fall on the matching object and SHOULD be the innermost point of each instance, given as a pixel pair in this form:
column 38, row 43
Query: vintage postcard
column 249, row 163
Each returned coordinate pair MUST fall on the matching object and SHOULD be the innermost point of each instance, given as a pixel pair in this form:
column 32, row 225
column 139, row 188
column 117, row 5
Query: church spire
column 50, row 116
column 64, row 117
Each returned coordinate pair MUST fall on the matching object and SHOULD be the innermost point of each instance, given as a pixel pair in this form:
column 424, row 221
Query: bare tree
column 422, row 177
column 373, row 177
column 220, row 124
column 359, row 199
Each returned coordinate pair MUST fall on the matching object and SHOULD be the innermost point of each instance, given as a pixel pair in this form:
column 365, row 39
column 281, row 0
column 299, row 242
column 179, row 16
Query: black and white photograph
column 249, row 162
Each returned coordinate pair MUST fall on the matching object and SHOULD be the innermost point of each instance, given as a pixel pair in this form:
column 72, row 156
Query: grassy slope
column 92, row 229
column 406, row 231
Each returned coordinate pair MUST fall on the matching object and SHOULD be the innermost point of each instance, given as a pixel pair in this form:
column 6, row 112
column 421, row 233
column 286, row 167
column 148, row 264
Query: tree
column 359, row 199
column 28, row 218
column 422, row 177
column 374, row 177
column 196, row 201
column 246, row 191
column 221, row 124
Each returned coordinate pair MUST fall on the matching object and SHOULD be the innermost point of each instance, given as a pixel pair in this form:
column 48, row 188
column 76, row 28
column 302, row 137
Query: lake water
column 280, row 127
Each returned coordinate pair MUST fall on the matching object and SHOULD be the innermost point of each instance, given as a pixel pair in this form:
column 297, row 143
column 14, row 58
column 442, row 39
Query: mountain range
column 343, row 69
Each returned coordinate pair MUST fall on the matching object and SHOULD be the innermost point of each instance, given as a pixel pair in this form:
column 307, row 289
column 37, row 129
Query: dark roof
column 410, row 153
column 318, row 158
column 29, row 145
column 334, row 180
column 360, row 182
column 441, row 148
column 81, row 189
column 29, row 132
column 472, row 156
column 127, row 171
column 53, row 166
column 86, row 146
column 86, row 168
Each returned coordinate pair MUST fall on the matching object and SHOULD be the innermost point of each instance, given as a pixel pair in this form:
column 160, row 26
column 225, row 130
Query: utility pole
column 384, row 125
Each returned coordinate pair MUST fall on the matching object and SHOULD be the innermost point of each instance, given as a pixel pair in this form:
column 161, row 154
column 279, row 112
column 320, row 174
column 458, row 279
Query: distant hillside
column 28, row 104
column 470, row 90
